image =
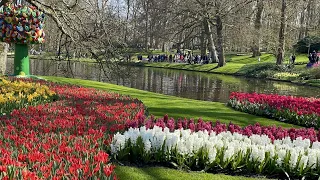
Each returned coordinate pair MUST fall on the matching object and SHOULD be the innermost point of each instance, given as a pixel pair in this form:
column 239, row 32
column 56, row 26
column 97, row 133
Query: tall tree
column 212, row 47
column 257, row 27
column 147, row 37
column 309, row 17
column 281, row 50
column 302, row 21
column 219, row 26
column 128, row 2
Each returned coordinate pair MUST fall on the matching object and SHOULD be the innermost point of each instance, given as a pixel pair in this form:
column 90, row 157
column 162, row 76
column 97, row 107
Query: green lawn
column 302, row 59
column 127, row 173
column 236, row 64
column 175, row 107
column 230, row 68
column 248, row 59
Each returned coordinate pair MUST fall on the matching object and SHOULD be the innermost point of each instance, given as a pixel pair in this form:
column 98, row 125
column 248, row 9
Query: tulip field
column 66, row 138
column 58, row 131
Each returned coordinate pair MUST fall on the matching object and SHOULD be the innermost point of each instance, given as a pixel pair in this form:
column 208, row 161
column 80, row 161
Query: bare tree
column 257, row 27
column 212, row 47
column 97, row 28
column 280, row 55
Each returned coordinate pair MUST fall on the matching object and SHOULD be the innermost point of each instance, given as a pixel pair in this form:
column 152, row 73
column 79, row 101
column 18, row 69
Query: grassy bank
column 175, row 107
column 126, row 172
column 236, row 65
column 245, row 65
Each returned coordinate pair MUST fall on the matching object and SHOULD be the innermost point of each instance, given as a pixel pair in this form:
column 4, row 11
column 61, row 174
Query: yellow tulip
column 2, row 99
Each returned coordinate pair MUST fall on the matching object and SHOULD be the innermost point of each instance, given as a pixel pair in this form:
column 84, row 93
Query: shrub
column 313, row 73
column 302, row 46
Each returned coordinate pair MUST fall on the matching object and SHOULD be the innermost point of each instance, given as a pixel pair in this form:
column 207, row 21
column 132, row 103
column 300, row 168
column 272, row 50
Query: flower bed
column 203, row 151
column 273, row 132
column 296, row 110
column 64, row 139
column 18, row 94
column 70, row 138
column 286, row 76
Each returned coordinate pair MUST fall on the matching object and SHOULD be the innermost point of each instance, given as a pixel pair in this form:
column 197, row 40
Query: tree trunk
column 3, row 58
column 203, row 47
column 127, row 22
column 308, row 24
column 146, row 40
column 280, row 56
column 163, row 47
column 302, row 19
column 219, row 26
column 135, row 22
column 257, row 27
column 212, row 47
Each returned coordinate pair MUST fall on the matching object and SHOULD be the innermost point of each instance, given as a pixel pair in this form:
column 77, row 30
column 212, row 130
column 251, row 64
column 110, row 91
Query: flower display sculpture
column 21, row 25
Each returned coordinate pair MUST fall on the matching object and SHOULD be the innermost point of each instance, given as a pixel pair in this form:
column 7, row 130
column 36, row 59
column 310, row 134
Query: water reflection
column 193, row 85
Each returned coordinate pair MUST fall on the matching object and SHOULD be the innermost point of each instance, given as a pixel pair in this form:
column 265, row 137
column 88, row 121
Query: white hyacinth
column 303, row 161
column 212, row 153
column 147, row 146
column 119, row 142
column 293, row 158
column 187, row 144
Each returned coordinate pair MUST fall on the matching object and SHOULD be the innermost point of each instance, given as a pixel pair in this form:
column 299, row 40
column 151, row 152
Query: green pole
column 21, row 60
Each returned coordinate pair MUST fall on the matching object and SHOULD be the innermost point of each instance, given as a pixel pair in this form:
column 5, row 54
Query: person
column 181, row 58
column 293, row 58
column 149, row 58
column 170, row 58
column 310, row 58
column 189, row 59
column 314, row 56
column 198, row 59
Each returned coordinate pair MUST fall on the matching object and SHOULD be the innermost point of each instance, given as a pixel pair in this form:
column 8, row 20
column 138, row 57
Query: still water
column 193, row 85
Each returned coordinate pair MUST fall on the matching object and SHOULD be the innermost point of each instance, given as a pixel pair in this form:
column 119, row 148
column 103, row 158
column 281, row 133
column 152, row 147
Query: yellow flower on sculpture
column 22, row 73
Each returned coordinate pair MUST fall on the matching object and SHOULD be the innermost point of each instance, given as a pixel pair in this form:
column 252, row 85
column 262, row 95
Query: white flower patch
column 299, row 153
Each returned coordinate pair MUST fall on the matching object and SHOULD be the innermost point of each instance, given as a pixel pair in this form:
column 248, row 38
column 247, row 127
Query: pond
column 187, row 84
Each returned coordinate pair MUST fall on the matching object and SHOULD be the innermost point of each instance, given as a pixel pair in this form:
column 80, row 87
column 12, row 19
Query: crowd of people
column 191, row 58
column 313, row 59
column 179, row 57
